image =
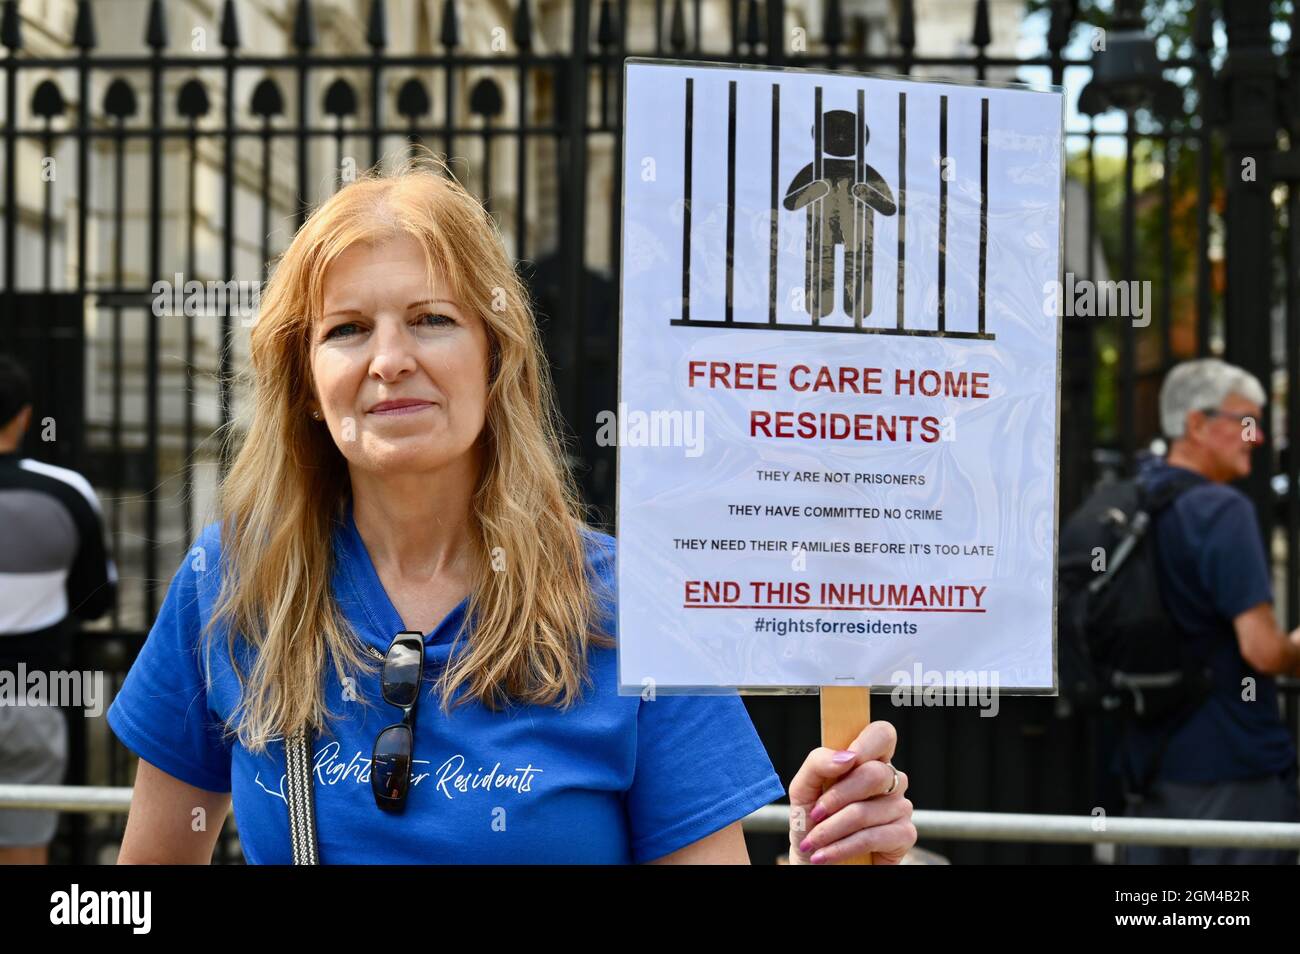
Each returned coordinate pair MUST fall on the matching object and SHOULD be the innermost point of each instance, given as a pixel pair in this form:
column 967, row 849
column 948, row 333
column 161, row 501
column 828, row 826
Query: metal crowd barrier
column 1073, row 829
column 775, row 819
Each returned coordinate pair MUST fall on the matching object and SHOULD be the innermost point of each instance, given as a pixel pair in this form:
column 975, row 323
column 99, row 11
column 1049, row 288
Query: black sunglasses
column 390, row 763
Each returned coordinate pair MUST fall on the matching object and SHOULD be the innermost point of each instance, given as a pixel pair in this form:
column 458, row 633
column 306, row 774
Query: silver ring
column 894, row 784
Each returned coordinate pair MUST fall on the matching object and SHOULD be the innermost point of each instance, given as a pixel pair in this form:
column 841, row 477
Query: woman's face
column 400, row 369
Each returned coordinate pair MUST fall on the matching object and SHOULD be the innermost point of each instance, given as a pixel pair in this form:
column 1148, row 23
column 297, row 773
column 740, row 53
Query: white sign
column 839, row 380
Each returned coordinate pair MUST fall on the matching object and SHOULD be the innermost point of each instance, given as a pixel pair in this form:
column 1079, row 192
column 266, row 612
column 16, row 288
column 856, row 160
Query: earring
column 315, row 415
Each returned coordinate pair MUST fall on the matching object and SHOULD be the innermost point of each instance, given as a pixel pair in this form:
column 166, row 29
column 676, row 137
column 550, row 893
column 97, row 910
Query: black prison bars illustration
column 859, row 260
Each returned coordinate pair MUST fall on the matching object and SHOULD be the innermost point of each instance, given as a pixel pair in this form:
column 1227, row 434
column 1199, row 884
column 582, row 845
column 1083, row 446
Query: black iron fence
column 121, row 171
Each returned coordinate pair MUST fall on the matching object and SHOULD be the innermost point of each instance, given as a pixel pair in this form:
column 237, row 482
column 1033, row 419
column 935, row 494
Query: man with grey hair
column 1232, row 757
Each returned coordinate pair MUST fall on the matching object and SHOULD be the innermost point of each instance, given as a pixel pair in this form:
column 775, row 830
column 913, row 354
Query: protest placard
column 839, row 378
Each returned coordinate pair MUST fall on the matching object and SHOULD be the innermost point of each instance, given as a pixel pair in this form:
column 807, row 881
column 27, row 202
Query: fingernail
column 818, row 858
column 846, row 756
column 817, row 814
column 805, row 845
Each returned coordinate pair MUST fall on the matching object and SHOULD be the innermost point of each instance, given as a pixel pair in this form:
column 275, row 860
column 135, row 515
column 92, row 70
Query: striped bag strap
column 302, row 806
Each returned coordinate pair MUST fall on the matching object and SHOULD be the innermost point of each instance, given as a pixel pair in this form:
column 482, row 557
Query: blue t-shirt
column 1212, row 568
column 615, row 779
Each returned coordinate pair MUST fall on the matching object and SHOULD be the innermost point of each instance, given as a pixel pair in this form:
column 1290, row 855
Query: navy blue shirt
column 1212, row 568
column 614, row 779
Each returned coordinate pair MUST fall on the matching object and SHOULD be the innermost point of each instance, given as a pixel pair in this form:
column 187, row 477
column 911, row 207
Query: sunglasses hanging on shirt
column 390, row 764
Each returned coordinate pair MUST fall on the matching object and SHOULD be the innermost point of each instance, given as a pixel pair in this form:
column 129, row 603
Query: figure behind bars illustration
column 840, row 213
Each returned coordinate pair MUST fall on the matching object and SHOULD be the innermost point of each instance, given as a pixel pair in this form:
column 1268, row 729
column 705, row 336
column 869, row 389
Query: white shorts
column 33, row 751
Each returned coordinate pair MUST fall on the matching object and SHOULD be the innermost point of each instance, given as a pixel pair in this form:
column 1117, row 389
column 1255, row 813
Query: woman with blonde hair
column 396, row 644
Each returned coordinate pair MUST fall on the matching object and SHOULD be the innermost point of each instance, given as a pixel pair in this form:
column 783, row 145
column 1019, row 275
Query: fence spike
column 861, row 35
column 677, row 28
column 523, row 26
column 1058, row 27
column 304, row 26
column 753, row 33
column 83, row 30
column 907, row 27
column 605, row 26
column 229, row 26
column 450, row 35
column 983, row 34
column 11, row 30
column 1203, row 27
column 833, row 25
column 155, row 31
column 377, row 27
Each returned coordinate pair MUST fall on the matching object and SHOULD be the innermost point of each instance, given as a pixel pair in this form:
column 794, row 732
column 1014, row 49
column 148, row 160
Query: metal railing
column 775, row 819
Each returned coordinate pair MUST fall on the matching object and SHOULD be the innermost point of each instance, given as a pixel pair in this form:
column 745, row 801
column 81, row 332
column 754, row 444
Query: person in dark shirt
column 1233, row 757
column 53, row 569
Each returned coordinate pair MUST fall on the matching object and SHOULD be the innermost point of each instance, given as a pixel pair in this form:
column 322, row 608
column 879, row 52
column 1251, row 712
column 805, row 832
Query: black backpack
column 1120, row 652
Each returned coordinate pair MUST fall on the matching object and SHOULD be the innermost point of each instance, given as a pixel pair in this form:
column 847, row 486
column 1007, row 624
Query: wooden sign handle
column 846, row 710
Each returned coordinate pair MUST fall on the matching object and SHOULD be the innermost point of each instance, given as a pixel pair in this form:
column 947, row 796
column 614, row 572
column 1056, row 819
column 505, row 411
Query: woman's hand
column 854, row 815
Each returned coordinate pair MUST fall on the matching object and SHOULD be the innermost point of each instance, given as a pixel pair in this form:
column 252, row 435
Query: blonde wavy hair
column 286, row 489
